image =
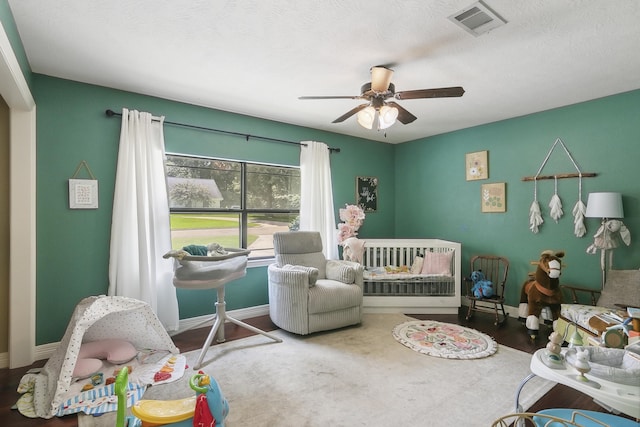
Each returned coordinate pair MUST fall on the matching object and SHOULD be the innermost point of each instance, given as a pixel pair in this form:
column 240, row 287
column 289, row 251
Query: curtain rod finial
column 110, row 113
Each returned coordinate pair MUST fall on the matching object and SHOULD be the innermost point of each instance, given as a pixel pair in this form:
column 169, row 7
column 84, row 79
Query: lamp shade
column 387, row 116
column 604, row 205
column 366, row 117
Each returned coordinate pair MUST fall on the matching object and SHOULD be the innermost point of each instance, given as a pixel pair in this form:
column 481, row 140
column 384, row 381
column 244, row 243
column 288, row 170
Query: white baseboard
column 44, row 351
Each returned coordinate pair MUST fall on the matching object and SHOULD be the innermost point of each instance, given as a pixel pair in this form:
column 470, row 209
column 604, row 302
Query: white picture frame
column 83, row 194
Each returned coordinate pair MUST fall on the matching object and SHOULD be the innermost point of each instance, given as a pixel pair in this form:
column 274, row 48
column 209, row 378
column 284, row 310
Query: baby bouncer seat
column 212, row 267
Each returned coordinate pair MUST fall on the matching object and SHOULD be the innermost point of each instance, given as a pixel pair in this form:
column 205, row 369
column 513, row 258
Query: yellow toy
column 208, row 407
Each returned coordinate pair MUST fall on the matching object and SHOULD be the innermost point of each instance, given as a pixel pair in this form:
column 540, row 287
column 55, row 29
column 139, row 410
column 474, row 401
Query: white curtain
column 140, row 228
column 316, row 198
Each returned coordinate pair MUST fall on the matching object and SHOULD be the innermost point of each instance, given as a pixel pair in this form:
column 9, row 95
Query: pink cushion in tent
column 92, row 353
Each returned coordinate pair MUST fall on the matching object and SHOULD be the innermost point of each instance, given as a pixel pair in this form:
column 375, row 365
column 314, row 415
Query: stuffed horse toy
column 543, row 290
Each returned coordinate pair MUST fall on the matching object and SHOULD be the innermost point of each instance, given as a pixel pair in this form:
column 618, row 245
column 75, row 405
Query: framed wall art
column 83, row 193
column 494, row 197
column 477, row 165
column 367, row 193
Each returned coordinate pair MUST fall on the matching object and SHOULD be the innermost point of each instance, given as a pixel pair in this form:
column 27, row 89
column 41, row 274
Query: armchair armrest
column 293, row 275
column 594, row 294
column 348, row 272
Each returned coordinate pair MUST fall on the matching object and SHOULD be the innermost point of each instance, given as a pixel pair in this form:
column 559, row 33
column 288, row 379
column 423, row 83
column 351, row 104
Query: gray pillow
column 341, row 272
column 312, row 271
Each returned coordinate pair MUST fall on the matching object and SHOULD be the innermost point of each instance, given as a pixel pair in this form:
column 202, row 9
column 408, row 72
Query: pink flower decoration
column 353, row 217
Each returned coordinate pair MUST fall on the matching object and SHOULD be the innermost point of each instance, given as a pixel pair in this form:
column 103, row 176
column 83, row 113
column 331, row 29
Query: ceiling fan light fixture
column 387, row 116
column 366, row 116
column 380, row 78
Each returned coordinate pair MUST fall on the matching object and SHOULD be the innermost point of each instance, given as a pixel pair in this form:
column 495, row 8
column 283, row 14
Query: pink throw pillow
column 92, row 354
column 437, row 263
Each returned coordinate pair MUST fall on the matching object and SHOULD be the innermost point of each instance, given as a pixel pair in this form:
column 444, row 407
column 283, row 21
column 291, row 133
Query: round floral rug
column 444, row 340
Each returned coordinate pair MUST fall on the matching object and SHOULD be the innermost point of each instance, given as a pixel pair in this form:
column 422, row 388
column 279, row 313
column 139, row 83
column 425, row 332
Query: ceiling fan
column 377, row 91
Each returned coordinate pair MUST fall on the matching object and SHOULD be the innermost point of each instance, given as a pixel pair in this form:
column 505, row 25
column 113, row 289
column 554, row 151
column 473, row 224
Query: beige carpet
column 359, row 376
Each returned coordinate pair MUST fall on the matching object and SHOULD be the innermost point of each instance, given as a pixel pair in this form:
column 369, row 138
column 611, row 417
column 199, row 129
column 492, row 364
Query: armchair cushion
column 293, row 275
column 311, row 271
column 340, row 271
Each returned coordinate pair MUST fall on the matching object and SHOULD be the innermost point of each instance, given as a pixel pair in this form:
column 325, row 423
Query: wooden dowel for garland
column 560, row 176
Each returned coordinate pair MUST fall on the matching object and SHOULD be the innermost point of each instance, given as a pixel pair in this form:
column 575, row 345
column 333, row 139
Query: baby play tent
column 94, row 318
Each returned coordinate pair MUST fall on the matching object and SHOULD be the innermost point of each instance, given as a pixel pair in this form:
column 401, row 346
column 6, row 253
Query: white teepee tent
column 94, row 318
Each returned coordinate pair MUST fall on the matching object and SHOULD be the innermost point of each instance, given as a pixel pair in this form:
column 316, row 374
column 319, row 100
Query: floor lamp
column 607, row 206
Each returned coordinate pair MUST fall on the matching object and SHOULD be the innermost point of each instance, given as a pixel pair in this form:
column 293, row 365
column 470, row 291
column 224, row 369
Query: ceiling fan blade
column 350, row 113
column 331, row 97
column 443, row 92
column 380, row 78
column 404, row 116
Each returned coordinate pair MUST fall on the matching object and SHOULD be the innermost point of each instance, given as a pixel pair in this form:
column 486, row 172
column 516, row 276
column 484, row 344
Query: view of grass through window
column 234, row 204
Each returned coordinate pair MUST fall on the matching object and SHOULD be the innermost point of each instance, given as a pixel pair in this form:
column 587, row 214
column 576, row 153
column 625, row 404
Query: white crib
column 438, row 292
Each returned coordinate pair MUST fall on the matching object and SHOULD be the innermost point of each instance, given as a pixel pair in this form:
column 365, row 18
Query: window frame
column 242, row 211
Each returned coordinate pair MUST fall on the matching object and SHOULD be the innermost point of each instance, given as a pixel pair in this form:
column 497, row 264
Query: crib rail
column 380, row 253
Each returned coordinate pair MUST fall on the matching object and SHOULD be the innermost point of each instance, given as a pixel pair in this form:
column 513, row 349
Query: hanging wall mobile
column 555, row 204
column 83, row 193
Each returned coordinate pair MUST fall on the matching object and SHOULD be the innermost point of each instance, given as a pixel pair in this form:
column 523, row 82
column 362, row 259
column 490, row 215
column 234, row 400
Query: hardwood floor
column 511, row 334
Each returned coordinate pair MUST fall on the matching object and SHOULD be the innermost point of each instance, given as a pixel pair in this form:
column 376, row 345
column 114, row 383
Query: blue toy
column 482, row 288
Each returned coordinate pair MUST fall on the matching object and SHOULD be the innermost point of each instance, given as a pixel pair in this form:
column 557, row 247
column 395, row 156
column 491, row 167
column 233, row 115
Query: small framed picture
column 477, row 165
column 83, row 194
column 494, row 197
column 367, row 193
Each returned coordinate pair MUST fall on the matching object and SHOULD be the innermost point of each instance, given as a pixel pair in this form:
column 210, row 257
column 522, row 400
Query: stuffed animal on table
column 482, row 288
column 543, row 290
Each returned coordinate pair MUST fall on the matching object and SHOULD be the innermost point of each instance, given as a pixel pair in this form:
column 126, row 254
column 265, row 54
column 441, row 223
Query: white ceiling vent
column 477, row 19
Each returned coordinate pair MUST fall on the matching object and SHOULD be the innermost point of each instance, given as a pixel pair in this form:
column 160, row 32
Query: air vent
column 477, row 19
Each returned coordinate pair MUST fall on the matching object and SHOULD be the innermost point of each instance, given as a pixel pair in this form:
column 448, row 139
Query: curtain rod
column 111, row 113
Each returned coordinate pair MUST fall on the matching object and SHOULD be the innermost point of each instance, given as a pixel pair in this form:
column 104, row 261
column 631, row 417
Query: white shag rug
column 357, row 376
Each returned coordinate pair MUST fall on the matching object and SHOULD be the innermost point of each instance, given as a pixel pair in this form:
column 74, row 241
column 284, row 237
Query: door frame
column 22, row 206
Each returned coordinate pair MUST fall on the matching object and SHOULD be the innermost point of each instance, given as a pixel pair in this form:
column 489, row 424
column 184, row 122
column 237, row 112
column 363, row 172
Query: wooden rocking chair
column 495, row 269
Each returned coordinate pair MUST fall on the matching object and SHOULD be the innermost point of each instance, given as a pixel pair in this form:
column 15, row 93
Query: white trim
column 13, row 86
column 22, row 207
column 45, row 351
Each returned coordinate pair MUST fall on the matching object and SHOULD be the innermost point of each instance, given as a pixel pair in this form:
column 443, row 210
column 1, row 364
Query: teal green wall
column 422, row 192
column 433, row 198
column 73, row 245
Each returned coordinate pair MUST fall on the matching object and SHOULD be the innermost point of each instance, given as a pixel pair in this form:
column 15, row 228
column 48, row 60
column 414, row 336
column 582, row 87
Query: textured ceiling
column 257, row 57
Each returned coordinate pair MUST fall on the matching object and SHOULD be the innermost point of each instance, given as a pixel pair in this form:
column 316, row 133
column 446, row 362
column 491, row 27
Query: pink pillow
column 437, row 263
column 86, row 367
column 92, row 353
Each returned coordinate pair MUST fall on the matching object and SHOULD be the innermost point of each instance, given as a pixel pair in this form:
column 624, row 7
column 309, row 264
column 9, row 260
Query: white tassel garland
column 579, row 211
column 535, row 217
column 556, row 208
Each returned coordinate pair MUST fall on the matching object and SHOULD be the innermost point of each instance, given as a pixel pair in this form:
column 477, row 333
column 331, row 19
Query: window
column 235, row 204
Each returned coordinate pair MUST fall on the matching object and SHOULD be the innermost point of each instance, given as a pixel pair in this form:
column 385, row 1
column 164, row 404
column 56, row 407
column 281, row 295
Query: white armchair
column 307, row 292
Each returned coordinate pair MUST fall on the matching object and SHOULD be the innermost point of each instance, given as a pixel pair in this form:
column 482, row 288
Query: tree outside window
column 235, row 204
